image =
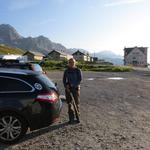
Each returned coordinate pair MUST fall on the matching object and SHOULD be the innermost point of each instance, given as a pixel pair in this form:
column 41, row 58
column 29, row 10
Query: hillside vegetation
column 9, row 50
column 61, row 65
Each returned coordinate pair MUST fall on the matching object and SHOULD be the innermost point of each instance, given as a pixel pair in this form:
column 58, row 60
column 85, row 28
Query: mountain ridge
column 109, row 56
column 9, row 36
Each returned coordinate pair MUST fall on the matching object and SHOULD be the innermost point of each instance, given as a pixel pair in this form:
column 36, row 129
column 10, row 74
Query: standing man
column 71, row 80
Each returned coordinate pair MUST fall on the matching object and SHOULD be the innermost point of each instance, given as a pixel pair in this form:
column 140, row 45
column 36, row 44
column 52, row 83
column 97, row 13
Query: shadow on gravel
column 36, row 133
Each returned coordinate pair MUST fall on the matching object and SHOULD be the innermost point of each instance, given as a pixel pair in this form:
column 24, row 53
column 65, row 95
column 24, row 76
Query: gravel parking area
column 115, row 115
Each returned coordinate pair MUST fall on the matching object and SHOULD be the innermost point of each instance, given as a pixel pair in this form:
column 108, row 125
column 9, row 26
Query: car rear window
column 37, row 67
column 18, row 67
column 10, row 84
column 46, row 81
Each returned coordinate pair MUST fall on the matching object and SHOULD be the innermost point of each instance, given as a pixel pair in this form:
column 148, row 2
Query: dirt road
column 115, row 115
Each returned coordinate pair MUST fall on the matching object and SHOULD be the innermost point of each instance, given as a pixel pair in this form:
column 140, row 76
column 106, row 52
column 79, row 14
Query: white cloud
column 22, row 4
column 122, row 2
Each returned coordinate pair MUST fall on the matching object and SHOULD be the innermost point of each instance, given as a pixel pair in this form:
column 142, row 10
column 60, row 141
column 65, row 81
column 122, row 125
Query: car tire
column 12, row 127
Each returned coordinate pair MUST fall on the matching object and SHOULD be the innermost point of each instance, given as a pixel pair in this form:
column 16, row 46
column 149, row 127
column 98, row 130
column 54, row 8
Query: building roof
column 34, row 53
column 83, row 53
column 128, row 50
column 60, row 52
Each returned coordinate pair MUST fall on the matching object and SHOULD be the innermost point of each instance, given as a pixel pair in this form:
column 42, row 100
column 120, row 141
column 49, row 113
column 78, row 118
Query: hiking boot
column 77, row 121
column 70, row 121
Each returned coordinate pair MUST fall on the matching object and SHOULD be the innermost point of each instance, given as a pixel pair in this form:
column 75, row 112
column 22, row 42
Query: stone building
column 81, row 56
column 58, row 55
column 31, row 55
column 135, row 56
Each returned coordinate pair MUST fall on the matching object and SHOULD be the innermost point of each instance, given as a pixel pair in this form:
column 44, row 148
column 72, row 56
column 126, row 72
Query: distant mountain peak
column 108, row 53
column 9, row 36
column 8, row 33
column 7, row 26
column 41, row 36
column 109, row 56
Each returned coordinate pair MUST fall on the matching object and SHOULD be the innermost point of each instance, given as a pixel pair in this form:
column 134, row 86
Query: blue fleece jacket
column 73, row 77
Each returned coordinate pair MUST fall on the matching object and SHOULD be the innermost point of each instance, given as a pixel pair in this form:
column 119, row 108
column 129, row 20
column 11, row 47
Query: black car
column 28, row 99
column 16, row 64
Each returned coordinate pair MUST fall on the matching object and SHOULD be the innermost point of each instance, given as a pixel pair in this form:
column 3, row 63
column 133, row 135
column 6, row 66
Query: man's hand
column 68, row 88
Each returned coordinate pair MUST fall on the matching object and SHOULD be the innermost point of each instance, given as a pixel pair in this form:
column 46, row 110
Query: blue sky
column 94, row 25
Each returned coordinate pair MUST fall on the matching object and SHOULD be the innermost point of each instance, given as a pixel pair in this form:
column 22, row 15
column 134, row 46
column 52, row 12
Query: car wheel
column 12, row 127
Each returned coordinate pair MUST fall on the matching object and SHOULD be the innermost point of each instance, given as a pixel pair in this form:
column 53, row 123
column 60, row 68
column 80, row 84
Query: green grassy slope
column 9, row 50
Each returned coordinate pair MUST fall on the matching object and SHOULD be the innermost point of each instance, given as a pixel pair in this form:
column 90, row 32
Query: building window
column 134, row 58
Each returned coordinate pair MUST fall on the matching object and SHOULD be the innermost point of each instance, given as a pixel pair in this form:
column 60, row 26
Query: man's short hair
column 71, row 59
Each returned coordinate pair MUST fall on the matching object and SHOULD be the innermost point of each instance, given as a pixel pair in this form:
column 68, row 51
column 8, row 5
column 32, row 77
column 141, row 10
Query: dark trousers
column 76, row 95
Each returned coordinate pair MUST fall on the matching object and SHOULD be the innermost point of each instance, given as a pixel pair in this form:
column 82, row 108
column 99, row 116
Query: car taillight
column 51, row 97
